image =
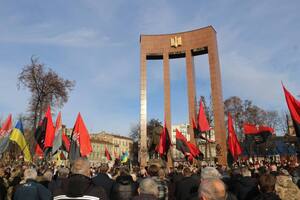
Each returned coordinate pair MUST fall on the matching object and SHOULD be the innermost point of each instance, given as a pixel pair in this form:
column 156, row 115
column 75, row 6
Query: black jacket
column 104, row 181
column 124, row 188
column 186, row 188
column 3, row 190
column 145, row 197
column 245, row 188
column 79, row 186
column 31, row 190
column 267, row 196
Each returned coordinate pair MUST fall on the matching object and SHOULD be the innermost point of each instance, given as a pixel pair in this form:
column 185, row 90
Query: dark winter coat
column 186, row 188
column 245, row 188
column 124, row 188
column 79, row 186
column 145, row 197
column 267, row 196
column 104, row 181
column 31, row 190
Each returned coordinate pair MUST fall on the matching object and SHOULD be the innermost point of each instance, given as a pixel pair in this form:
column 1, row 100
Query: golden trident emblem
column 176, row 42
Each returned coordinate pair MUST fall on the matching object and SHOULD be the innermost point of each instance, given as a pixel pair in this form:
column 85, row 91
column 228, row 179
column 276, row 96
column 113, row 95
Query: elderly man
column 31, row 189
column 148, row 190
column 212, row 189
column 80, row 185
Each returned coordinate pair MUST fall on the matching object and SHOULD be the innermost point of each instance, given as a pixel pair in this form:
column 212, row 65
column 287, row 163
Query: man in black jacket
column 31, row 190
column 103, row 180
column 80, row 185
column 188, row 186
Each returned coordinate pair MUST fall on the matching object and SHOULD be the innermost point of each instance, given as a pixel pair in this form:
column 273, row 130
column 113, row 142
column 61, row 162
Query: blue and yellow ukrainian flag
column 18, row 137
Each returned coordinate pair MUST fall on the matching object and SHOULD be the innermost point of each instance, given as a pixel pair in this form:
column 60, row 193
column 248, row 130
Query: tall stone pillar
column 167, row 99
column 217, row 100
column 190, row 77
column 143, row 112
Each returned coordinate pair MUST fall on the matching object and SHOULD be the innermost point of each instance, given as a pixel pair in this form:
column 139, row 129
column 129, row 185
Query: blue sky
column 96, row 43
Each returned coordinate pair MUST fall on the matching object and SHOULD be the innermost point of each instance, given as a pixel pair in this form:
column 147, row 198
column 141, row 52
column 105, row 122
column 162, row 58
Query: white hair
column 210, row 172
column 148, row 186
column 212, row 189
column 30, row 174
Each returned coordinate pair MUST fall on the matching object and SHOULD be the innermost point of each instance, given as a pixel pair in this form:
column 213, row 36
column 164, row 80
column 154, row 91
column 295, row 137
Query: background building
column 116, row 145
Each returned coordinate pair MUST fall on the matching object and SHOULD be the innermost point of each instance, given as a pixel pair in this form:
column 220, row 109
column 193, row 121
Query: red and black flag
column 195, row 152
column 40, row 134
column 107, row 154
column 260, row 133
column 294, row 107
column 50, row 130
column 198, row 134
column 164, row 142
column 182, row 143
column 233, row 144
column 80, row 140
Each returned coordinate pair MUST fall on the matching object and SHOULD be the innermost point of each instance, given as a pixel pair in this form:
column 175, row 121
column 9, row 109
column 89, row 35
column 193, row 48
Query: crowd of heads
column 241, row 181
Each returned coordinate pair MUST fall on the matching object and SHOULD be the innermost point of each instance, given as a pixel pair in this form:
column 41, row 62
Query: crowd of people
column 258, row 181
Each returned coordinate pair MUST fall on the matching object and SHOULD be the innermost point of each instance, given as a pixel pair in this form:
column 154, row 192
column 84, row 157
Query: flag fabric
column 260, row 133
column 233, row 144
column 294, row 108
column 80, row 141
column 124, row 157
column 50, row 131
column 198, row 134
column 107, row 154
column 58, row 134
column 164, row 142
column 65, row 142
column 5, row 133
column 195, row 152
column 40, row 133
column 6, row 126
column 202, row 120
column 38, row 151
column 182, row 143
column 17, row 136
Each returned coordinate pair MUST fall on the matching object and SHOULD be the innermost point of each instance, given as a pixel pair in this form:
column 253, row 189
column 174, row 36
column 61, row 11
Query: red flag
column 6, row 126
column 81, row 134
column 233, row 143
column 294, row 108
column 202, row 120
column 107, row 154
column 164, row 142
column 38, row 151
column 250, row 129
column 66, row 142
column 195, row 152
column 49, row 137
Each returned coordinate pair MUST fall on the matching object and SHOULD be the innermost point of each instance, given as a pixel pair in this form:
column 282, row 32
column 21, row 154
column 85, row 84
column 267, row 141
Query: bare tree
column 46, row 88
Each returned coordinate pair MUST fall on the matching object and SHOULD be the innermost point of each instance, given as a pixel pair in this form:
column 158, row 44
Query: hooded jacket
column 124, row 188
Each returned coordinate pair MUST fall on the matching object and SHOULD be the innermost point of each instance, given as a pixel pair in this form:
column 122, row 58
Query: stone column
column 143, row 115
column 190, row 77
column 167, row 100
column 217, row 100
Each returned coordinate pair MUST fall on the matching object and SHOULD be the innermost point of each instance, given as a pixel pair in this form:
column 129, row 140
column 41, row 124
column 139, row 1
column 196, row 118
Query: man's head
column 30, row 174
column 153, row 170
column 245, row 172
column 267, row 183
column 148, row 186
column 103, row 168
column 210, row 172
column 81, row 166
column 63, row 172
column 186, row 172
column 212, row 189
